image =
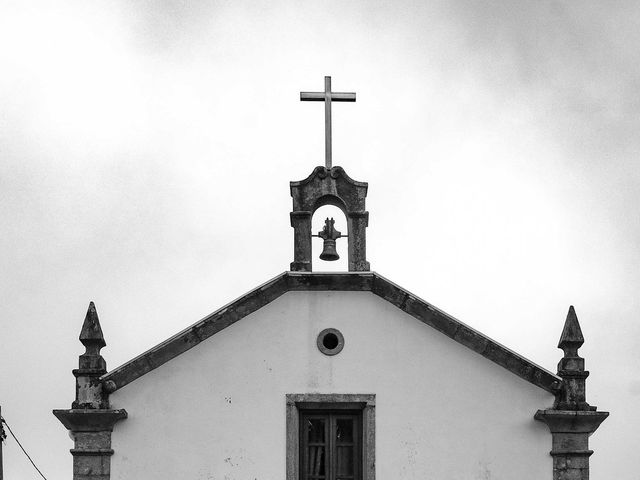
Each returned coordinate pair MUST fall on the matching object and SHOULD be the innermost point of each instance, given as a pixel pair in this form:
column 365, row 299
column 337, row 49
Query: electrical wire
column 21, row 447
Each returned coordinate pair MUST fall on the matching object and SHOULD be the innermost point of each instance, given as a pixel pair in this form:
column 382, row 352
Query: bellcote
column 329, row 186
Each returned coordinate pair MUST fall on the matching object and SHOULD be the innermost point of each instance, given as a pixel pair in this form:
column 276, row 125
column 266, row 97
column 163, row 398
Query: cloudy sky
column 146, row 149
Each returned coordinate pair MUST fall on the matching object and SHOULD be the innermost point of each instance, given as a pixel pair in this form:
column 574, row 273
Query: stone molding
column 570, row 431
column 91, row 430
column 329, row 401
column 347, row 281
column 85, row 420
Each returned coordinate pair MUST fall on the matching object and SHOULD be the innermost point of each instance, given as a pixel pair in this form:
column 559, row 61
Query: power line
column 21, row 447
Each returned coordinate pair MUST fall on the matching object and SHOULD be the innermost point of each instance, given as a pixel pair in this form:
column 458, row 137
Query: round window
column 330, row 341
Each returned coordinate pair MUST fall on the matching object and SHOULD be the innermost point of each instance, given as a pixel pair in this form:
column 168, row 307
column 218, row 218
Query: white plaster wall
column 217, row 412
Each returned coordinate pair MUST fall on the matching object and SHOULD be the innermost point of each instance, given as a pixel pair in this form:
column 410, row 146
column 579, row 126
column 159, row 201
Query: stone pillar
column 357, row 223
column 91, row 433
column 90, row 421
column 301, row 223
column 570, row 432
column 571, row 420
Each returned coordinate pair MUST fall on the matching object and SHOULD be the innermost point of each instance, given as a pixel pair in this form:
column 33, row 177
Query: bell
column 329, row 234
column 329, row 252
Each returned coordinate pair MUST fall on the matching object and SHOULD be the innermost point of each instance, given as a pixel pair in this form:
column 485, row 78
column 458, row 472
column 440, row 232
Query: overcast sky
column 146, row 149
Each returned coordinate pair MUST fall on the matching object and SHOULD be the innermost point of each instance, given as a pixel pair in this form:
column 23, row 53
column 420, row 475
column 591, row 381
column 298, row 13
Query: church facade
column 330, row 376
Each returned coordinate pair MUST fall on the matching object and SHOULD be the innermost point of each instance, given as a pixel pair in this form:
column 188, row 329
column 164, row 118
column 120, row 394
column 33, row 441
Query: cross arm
column 335, row 96
column 343, row 97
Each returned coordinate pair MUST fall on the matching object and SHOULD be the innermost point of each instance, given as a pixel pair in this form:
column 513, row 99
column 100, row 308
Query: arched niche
column 318, row 218
column 329, row 187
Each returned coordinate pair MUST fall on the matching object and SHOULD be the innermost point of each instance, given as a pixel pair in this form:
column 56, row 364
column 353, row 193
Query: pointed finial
column 91, row 333
column 90, row 364
column 571, row 333
column 571, row 367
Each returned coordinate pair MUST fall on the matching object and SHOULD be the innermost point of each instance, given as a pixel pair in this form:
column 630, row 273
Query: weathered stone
column 301, row 223
column 357, row 281
column 91, row 432
column 90, row 420
column 91, row 333
column 172, row 348
column 571, row 420
column 329, row 186
column 389, row 291
column 570, row 432
column 571, row 367
column 472, row 339
column 430, row 315
column 91, row 365
column 571, row 333
column 82, row 420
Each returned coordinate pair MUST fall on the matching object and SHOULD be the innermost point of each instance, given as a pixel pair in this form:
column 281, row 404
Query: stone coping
column 89, row 420
column 338, row 281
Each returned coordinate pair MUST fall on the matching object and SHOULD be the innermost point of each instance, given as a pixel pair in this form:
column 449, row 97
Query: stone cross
column 327, row 97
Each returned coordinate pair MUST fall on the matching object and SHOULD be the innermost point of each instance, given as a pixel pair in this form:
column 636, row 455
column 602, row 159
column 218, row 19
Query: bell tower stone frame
column 329, row 186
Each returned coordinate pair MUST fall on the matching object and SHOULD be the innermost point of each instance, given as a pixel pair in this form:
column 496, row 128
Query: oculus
column 330, row 341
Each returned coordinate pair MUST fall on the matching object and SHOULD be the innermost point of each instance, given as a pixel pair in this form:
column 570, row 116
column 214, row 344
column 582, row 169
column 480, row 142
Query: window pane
column 316, row 461
column 315, row 430
column 344, row 430
column 345, row 461
column 330, row 445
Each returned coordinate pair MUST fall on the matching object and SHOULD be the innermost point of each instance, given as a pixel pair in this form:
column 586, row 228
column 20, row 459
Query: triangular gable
column 351, row 281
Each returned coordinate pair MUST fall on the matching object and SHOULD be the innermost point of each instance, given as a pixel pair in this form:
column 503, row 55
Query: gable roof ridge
column 466, row 335
column 336, row 281
column 197, row 332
